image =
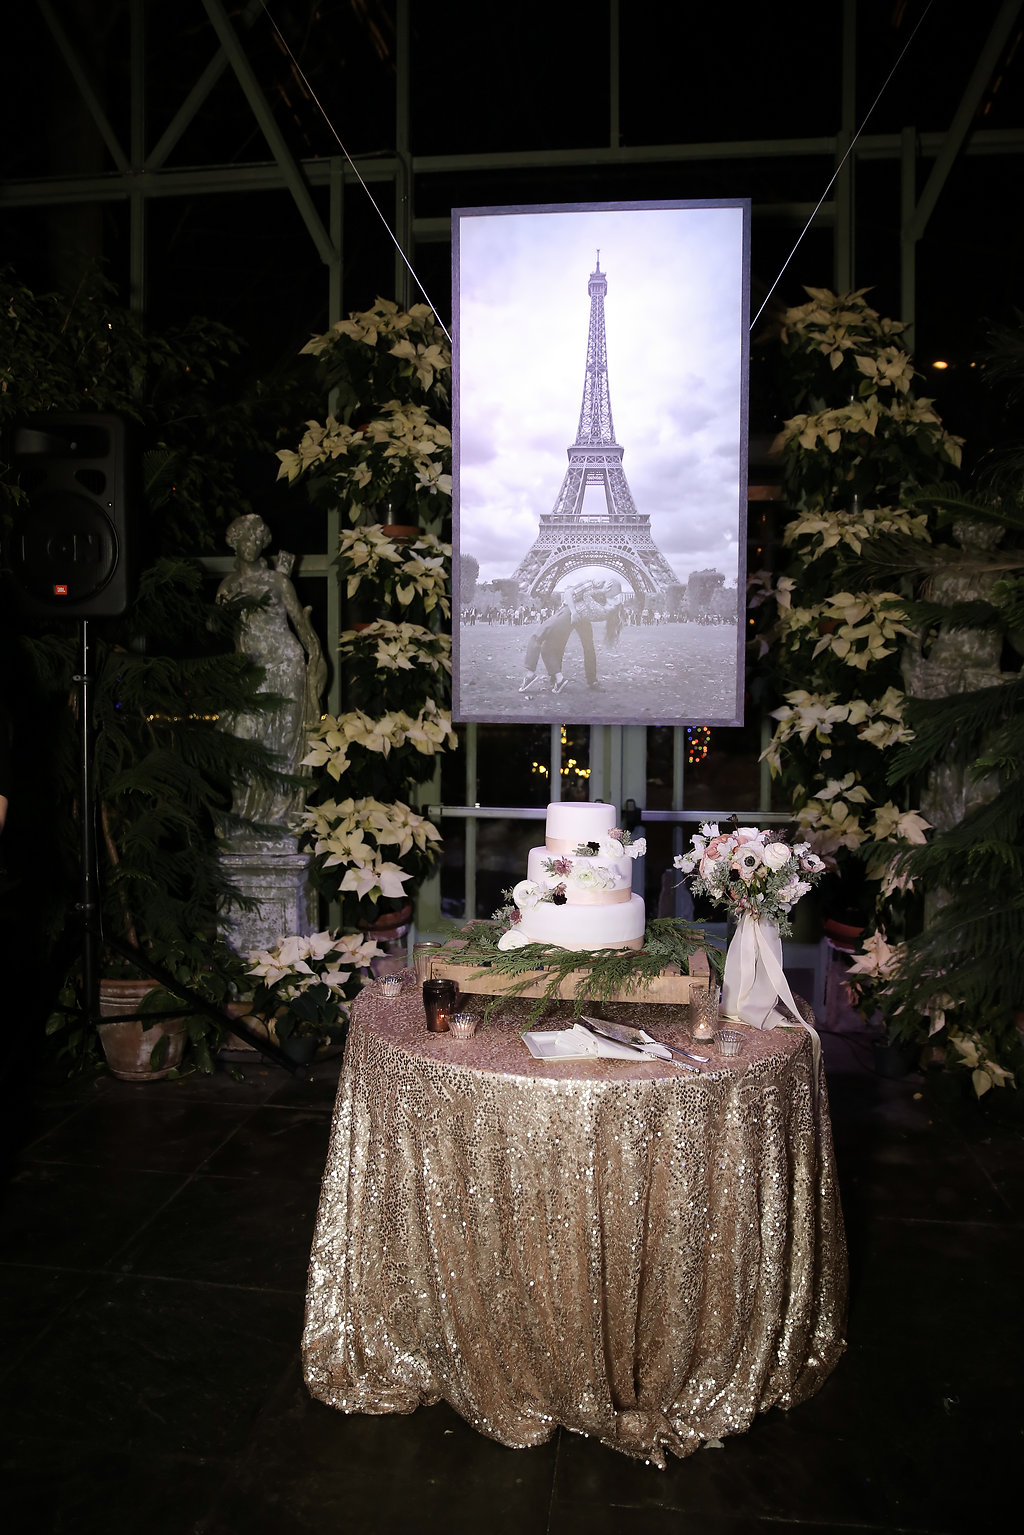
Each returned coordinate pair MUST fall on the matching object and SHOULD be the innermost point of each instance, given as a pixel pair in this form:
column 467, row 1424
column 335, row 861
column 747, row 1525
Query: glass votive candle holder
column 390, row 986
column 462, row 1025
column 439, row 1002
column 421, row 953
column 729, row 1042
column 704, row 1014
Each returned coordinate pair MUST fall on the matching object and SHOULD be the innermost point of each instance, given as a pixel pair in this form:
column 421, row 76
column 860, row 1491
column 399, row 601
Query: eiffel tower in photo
column 617, row 536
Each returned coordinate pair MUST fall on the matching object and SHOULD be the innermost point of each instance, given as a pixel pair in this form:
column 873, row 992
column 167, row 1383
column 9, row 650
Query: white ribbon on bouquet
column 754, row 981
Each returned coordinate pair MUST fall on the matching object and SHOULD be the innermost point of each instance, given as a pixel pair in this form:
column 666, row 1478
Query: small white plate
column 556, row 1045
column 563, row 1045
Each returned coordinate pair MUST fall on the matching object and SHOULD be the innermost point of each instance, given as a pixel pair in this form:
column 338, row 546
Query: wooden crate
column 670, row 986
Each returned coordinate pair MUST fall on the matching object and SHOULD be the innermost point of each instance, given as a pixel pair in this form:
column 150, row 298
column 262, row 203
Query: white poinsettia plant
column 405, row 572
column 383, row 451
column 399, row 646
column 750, row 872
column 357, row 844
column 331, row 744
column 307, row 980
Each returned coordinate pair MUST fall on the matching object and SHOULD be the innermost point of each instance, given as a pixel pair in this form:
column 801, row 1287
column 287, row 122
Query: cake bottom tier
column 618, row 926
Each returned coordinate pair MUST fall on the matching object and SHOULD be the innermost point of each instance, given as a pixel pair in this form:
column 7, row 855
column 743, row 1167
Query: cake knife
column 627, row 1037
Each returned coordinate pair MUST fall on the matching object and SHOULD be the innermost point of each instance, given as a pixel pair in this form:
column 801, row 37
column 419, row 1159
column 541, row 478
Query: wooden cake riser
column 669, row 986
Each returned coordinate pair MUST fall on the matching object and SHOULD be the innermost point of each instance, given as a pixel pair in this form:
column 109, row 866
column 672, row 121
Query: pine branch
column 963, row 718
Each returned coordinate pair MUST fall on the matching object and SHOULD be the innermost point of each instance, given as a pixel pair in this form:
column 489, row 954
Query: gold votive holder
column 390, row 986
column 704, row 1015
column 729, row 1042
column 462, row 1025
column 439, row 1003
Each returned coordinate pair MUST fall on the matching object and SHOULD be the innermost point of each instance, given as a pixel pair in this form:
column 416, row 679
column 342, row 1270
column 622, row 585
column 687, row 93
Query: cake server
column 628, row 1037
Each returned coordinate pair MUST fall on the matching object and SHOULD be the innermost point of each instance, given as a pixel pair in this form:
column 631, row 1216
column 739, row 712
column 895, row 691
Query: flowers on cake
column 614, row 844
column 749, row 871
column 592, row 876
column 526, row 894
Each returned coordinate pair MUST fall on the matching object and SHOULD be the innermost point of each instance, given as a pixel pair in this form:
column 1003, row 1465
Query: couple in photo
column 582, row 606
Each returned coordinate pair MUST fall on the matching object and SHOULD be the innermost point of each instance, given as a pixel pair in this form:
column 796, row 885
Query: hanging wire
column 839, row 167
column 412, row 272
column 355, row 169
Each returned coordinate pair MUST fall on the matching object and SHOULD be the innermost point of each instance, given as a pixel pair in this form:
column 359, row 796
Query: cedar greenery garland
column 602, row 972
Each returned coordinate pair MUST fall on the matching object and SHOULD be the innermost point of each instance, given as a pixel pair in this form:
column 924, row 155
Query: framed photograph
column 600, row 456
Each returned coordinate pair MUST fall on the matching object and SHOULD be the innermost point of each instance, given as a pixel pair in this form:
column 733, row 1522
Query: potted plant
column 852, row 456
column 305, row 986
column 383, row 454
column 385, row 458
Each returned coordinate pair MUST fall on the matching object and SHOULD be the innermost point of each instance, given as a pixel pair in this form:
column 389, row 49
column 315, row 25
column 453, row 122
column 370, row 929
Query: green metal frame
column 141, row 174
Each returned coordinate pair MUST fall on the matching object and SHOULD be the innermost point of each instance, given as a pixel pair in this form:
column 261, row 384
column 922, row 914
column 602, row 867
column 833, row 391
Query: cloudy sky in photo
column 676, row 368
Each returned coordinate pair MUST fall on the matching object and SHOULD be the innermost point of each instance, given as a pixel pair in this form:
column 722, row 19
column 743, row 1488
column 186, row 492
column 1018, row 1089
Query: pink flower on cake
column 560, row 866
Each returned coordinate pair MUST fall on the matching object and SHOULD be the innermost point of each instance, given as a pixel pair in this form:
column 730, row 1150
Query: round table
column 629, row 1250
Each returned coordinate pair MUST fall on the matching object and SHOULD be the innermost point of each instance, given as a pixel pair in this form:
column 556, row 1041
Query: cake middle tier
column 587, row 881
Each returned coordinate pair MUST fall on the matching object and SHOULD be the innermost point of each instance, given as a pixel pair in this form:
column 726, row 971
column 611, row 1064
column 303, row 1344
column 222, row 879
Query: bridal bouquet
column 750, row 872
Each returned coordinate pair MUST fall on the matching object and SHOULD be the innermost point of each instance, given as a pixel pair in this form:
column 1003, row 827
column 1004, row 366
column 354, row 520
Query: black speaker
column 73, row 547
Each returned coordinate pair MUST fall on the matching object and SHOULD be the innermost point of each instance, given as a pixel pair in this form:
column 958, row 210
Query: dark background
column 528, row 80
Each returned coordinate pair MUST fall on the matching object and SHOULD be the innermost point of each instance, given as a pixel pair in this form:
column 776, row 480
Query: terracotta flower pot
column 127, row 1046
column 845, row 935
column 400, row 532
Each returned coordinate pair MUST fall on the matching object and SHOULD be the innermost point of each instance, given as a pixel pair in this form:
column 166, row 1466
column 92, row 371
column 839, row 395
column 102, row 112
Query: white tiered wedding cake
column 578, row 890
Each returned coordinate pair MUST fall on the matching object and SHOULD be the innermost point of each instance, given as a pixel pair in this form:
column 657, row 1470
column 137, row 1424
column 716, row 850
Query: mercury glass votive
column 390, row 985
column 462, row 1025
column 704, row 1015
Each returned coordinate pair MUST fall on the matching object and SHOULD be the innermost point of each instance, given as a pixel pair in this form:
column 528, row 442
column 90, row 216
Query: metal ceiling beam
column 265, row 175
column 189, row 109
column 290, row 169
column 964, row 116
column 81, row 78
column 916, row 211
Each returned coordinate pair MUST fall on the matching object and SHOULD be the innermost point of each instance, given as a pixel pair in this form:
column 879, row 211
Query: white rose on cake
column 593, row 878
column 514, row 938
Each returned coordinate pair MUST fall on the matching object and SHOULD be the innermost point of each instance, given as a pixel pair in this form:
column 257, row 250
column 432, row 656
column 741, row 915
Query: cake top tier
column 571, row 822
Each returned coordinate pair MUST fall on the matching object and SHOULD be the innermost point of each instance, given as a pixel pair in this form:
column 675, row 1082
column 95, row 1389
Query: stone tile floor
column 153, row 1265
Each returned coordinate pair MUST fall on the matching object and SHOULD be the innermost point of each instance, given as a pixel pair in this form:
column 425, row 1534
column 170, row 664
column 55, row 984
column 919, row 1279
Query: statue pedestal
column 277, row 876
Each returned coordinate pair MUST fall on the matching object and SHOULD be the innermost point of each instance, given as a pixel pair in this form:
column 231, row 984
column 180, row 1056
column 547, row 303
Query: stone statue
column 280, row 638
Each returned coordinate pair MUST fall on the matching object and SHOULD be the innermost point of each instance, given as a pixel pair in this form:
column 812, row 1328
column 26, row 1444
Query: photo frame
column 600, row 367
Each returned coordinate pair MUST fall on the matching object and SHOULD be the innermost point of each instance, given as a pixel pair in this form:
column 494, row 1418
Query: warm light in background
column 940, row 365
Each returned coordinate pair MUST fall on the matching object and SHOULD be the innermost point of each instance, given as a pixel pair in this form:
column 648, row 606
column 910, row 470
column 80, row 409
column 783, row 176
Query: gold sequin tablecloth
column 628, row 1250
